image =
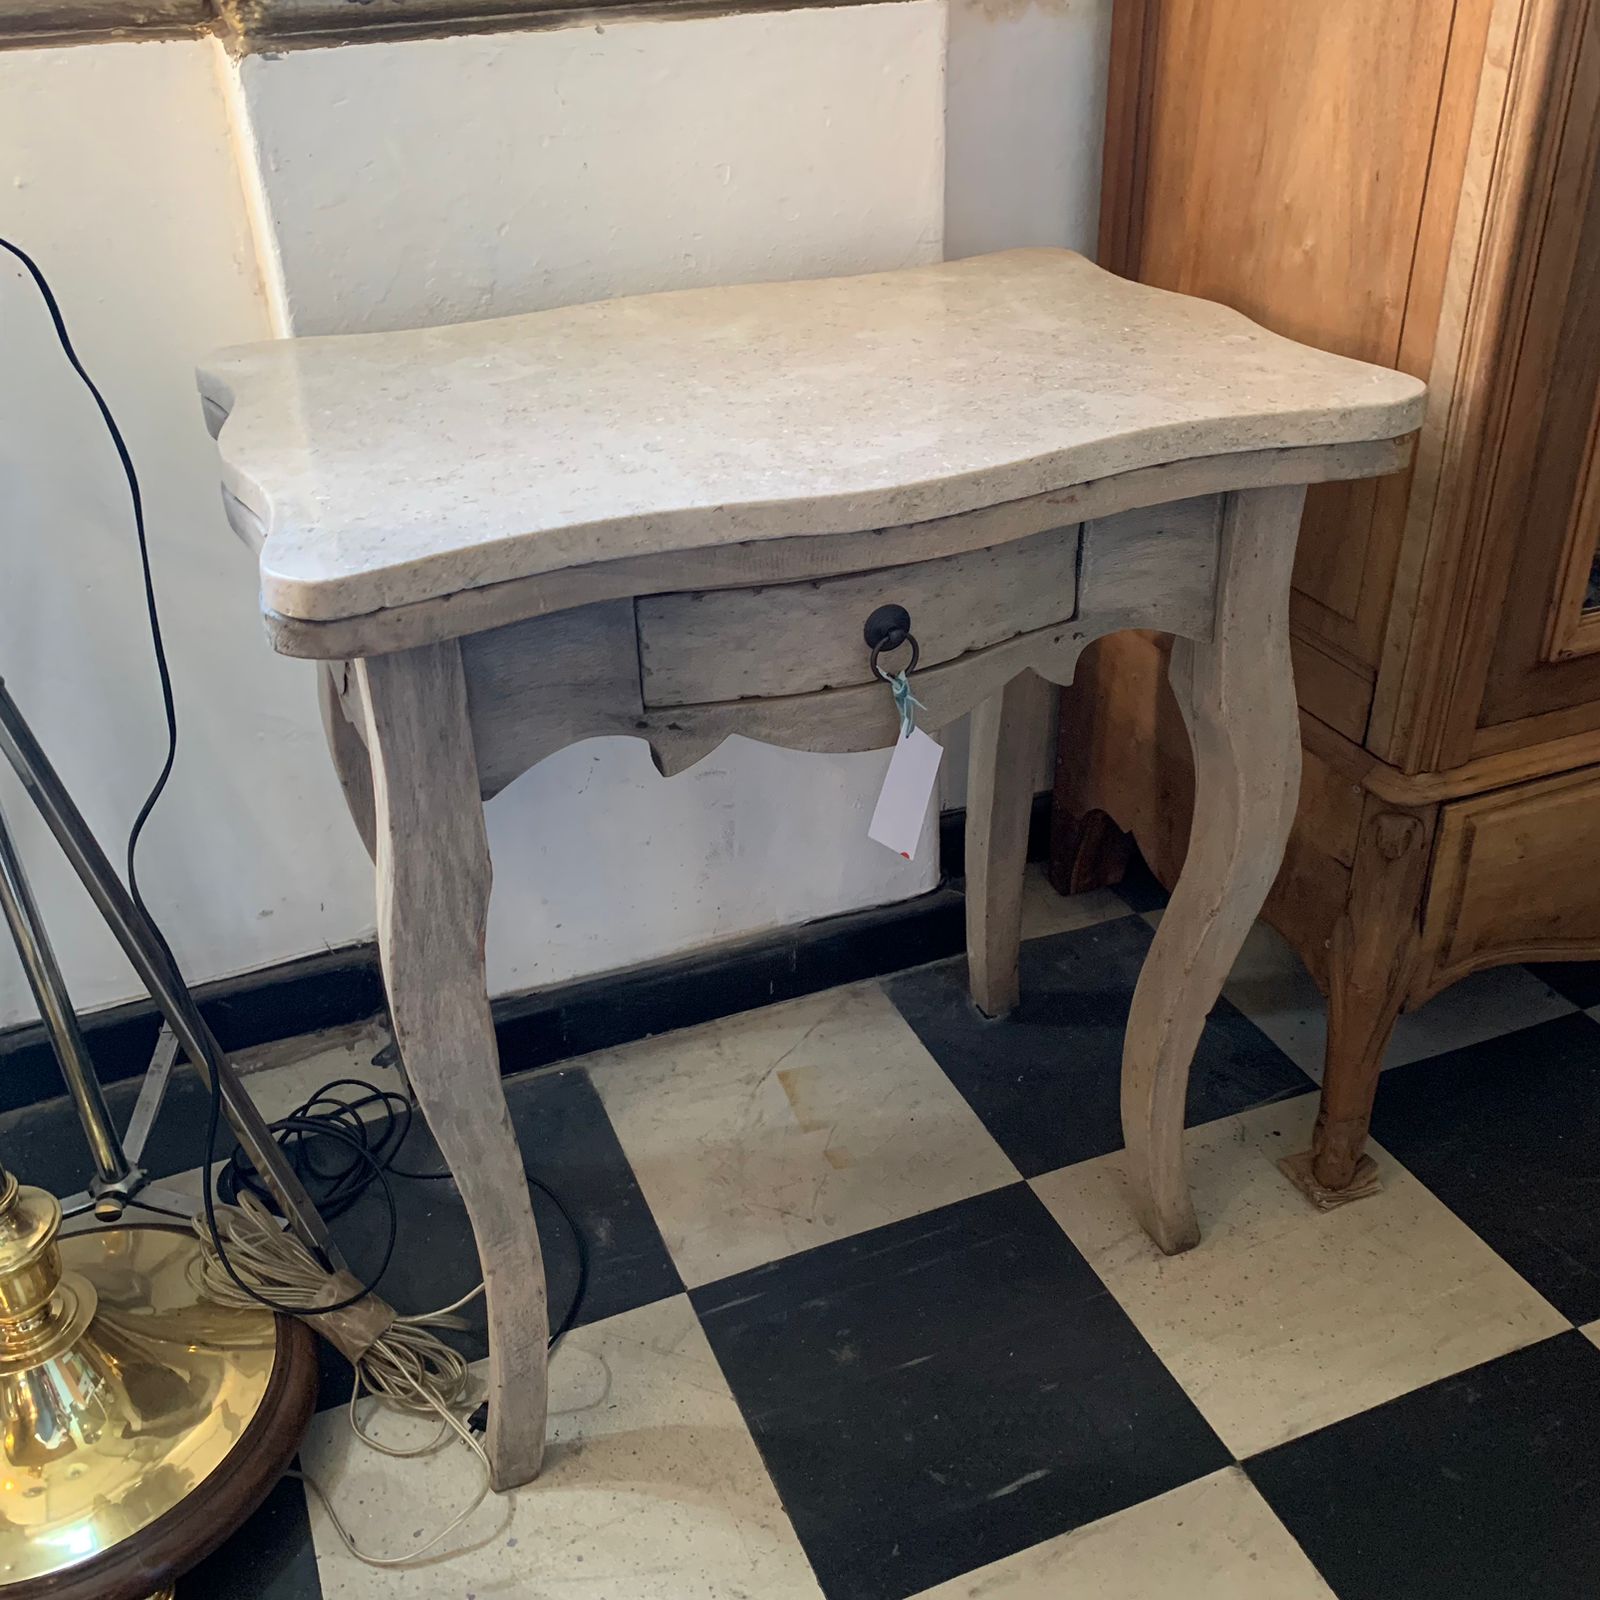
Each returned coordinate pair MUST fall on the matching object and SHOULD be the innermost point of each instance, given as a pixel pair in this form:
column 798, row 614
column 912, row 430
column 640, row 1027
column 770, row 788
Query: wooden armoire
column 1412, row 182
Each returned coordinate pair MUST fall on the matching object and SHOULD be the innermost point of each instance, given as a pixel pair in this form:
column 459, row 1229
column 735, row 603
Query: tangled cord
column 339, row 1154
column 408, row 1366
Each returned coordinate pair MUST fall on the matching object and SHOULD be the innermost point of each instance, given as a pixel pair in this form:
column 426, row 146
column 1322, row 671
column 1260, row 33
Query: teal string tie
column 905, row 703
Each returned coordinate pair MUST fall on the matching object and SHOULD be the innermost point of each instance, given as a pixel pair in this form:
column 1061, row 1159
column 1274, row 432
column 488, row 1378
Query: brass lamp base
column 142, row 1423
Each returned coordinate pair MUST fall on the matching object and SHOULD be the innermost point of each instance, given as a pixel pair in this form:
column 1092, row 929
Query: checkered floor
column 869, row 1317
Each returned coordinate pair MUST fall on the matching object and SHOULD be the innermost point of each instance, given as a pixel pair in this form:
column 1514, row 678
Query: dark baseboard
column 595, row 1013
column 325, row 990
column 344, row 986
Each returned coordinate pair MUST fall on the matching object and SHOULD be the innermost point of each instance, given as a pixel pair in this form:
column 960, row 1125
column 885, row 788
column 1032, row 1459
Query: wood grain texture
column 1236, row 694
column 1375, row 949
column 535, row 686
column 1514, row 880
column 729, row 644
column 864, row 718
column 336, row 690
column 1541, row 523
column 786, row 560
column 1281, row 164
column 1425, row 707
column 1155, row 560
column 1573, row 626
column 433, row 900
column 1333, row 688
column 274, row 25
column 1495, row 771
column 1125, row 158
column 1127, row 756
column 31, row 22
column 1006, row 732
column 1459, row 144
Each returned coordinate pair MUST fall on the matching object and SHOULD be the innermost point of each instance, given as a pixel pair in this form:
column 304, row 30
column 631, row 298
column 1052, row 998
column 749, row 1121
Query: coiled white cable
column 408, row 1366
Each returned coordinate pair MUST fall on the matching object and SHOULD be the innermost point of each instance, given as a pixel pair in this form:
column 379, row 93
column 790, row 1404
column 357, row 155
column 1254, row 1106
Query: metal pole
column 147, row 951
column 55, row 1009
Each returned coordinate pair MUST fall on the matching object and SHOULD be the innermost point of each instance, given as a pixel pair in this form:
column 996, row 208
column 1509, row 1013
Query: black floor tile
column 1504, row 1132
column 568, row 1144
column 44, row 1143
column 1577, row 981
column 1479, row 1487
column 269, row 1558
column 1046, row 1079
column 1140, row 887
column 938, row 1393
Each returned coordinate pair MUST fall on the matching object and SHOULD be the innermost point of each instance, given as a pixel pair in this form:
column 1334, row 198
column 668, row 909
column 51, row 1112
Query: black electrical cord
column 156, row 643
column 342, row 1124
column 365, row 1144
column 170, row 713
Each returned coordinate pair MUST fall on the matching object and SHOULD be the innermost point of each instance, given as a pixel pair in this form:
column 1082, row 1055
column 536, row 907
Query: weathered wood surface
column 1007, row 730
column 433, row 902
column 538, row 685
column 337, row 694
column 737, row 644
column 1156, row 565
column 1236, row 693
column 1371, row 962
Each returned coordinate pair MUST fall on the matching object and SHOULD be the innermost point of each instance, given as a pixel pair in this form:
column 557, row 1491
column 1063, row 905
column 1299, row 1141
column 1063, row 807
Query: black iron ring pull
column 888, row 628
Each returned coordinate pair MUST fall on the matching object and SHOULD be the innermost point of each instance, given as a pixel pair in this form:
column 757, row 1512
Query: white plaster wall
column 435, row 180
column 118, row 177
column 402, row 183
column 438, row 180
column 1025, row 123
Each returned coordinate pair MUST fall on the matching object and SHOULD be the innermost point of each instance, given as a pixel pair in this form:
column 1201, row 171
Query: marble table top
column 379, row 469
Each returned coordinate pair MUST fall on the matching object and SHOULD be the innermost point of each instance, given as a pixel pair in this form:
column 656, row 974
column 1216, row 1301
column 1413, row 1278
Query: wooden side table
column 669, row 516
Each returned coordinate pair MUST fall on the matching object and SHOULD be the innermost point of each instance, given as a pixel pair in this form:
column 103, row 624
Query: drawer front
column 1515, row 876
column 795, row 638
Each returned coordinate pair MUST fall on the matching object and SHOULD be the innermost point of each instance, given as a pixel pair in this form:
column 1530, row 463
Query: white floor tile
column 1044, row 911
column 1215, row 1539
column 1271, row 986
column 1488, row 1003
column 1285, row 1318
column 652, row 1488
column 1592, row 1333
column 763, row 1134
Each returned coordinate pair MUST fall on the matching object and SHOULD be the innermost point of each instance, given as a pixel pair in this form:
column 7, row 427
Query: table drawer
column 1514, row 875
column 794, row 638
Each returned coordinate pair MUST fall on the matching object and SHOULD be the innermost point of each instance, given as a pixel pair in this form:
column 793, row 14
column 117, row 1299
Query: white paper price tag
column 907, row 788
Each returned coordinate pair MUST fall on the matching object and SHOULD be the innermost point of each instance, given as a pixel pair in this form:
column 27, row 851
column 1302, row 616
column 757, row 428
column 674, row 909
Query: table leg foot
column 433, row 900
column 1236, row 692
column 1372, row 960
column 1299, row 1171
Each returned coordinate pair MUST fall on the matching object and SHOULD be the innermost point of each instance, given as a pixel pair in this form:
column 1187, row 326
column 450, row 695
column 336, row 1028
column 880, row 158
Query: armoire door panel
column 1544, row 513
column 1329, row 686
column 1287, row 168
column 1574, row 626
